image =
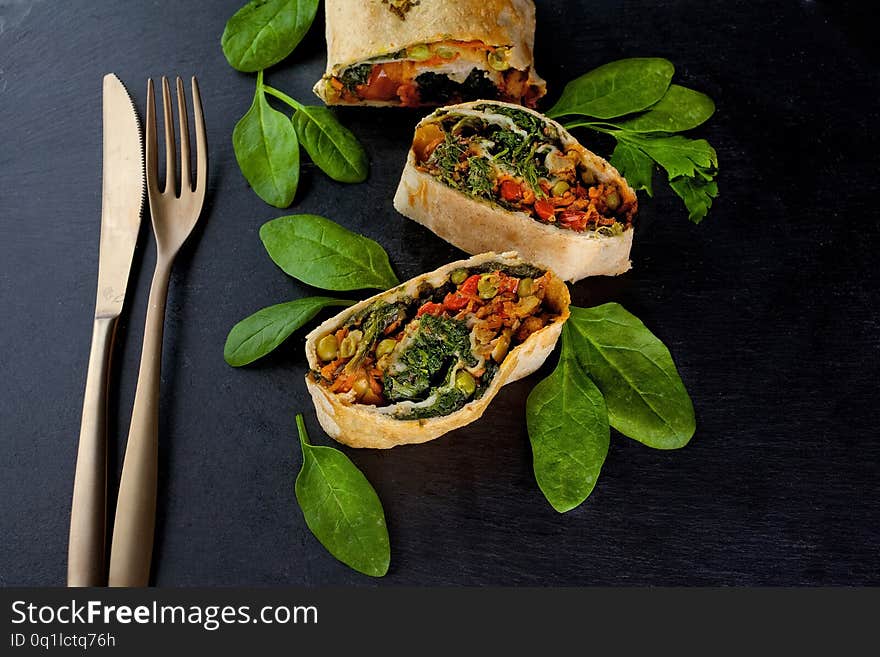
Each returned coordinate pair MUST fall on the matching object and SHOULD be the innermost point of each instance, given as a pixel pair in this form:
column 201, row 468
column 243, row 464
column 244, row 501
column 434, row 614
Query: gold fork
column 174, row 217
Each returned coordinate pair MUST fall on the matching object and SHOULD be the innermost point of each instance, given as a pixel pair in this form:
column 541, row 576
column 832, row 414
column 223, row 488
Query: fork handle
column 88, row 511
column 132, row 547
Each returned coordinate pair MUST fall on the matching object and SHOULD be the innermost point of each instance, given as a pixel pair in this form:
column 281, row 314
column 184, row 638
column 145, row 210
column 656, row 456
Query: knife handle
column 132, row 546
column 88, row 512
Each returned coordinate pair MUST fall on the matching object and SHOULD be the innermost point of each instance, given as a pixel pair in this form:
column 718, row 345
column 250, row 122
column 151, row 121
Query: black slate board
column 769, row 308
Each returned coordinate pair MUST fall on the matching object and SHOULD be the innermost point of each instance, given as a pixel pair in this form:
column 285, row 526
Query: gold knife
column 122, row 204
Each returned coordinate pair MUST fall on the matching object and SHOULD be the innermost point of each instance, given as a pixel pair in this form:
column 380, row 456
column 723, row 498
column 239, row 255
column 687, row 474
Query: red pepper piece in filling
column 469, row 287
column 574, row 219
column 511, row 191
column 430, row 308
column 455, row 301
column 508, row 284
column 382, row 85
column 544, row 210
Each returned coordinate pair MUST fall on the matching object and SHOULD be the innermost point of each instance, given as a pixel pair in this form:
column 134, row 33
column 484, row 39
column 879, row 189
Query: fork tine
column 185, row 180
column 152, row 161
column 170, row 149
column 201, row 141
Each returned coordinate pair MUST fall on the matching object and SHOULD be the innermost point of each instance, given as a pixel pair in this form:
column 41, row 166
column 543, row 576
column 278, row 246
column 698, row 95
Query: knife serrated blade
column 122, row 197
column 122, row 203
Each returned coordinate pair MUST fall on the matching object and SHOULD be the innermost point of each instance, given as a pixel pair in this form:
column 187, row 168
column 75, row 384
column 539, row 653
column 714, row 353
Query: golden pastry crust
column 360, row 425
column 475, row 225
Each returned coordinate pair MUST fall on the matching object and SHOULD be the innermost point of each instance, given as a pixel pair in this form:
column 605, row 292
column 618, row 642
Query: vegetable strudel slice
column 489, row 175
column 428, row 356
column 393, row 53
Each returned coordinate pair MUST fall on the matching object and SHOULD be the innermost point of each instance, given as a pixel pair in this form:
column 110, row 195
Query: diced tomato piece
column 573, row 219
column 544, row 209
column 430, row 308
column 511, row 190
column 508, row 284
column 455, row 301
column 469, row 287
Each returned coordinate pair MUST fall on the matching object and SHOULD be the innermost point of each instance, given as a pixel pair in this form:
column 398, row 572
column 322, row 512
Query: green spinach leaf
column 615, row 89
column 644, row 394
column 635, row 166
column 264, row 32
column 323, row 254
column 267, row 151
column 331, row 145
column 680, row 109
column 257, row 335
column 568, row 430
column 341, row 508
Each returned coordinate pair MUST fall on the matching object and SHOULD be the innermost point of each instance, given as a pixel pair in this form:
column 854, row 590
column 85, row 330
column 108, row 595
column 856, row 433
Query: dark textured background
column 769, row 308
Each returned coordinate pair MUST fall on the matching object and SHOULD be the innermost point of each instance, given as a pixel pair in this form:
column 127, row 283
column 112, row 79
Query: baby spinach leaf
column 697, row 194
column 267, row 151
column 644, row 394
column 341, row 508
column 680, row 109
column 322, row 253
column 264, row 32
column 635, row 166
column 615, row 89
column 568, row 430
column 679, row 155
column 331, row 145
column 257, row 335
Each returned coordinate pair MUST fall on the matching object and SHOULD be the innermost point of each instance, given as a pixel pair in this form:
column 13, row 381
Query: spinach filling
column 445, row 400
column 439, row 88
column 523, row 120
column 518, row 271
column 447, row 156
column 438, row 345
column 479, row 180
column 510, row 149
column 355, row 75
